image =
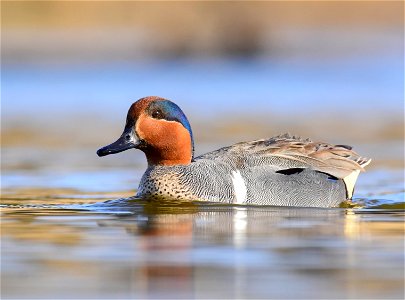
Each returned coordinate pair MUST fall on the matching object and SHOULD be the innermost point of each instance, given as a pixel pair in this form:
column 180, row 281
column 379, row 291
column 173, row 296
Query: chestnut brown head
column 160, row 129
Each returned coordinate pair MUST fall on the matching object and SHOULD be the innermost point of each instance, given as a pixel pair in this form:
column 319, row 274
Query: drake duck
column 284, row 170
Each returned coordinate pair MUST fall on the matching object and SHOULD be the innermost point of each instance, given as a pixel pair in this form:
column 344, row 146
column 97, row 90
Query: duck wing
column 286, row 151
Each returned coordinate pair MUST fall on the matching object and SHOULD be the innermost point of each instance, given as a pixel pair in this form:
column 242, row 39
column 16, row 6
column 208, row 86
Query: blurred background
column 240, row 70
column 332, row 71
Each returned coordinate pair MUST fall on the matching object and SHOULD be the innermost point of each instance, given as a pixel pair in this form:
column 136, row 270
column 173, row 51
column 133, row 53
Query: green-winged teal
column 284, row 170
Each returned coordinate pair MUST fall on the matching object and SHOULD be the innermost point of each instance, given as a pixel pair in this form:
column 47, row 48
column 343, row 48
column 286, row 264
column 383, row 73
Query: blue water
column 348, row 87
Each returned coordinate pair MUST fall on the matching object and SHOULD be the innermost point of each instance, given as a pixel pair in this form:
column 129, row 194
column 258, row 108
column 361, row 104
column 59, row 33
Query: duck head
column 159, row 128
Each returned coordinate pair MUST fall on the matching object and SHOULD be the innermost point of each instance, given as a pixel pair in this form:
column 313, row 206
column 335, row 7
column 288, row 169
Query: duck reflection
column 164, row 235
column 170, row 239
column 148, row 250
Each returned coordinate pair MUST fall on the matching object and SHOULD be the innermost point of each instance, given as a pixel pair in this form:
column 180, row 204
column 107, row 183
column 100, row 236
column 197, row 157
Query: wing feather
column 337, row 160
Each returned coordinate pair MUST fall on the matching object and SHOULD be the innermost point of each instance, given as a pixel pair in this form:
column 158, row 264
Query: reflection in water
column 169, row 235
column 144, row 250
column 240, row 223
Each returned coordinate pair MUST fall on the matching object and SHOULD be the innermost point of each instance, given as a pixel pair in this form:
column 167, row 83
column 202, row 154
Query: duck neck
column 169, row 156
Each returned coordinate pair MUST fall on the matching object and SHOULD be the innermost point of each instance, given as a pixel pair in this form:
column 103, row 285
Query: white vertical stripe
column 239, row 187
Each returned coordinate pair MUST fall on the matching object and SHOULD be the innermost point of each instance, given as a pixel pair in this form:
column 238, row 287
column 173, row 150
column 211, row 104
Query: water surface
column 66, row 234
column 67, row 243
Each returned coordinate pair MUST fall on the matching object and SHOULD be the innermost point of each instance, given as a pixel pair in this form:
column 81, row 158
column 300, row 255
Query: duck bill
column 126, row 141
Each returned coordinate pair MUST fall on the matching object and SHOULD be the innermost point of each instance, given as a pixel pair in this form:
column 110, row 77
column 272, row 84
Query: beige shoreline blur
column 54, row 30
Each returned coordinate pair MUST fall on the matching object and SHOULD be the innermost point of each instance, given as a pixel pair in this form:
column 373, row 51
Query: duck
column 283, row 170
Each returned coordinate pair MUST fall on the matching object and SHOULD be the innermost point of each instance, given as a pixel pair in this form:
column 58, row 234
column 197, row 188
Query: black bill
column 126, row 141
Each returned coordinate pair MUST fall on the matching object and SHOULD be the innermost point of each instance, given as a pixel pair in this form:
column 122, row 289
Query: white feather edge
column 350, row 180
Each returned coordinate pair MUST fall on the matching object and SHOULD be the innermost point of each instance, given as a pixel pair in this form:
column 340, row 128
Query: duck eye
column 157, row 114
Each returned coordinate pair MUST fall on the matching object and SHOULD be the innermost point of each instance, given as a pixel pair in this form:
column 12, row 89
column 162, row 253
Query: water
column 70, row 230
column 203, row 253
column 66, row 243
column 278, row 86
